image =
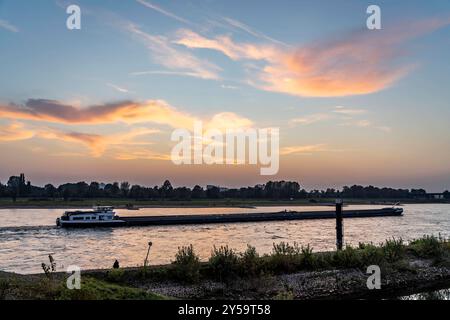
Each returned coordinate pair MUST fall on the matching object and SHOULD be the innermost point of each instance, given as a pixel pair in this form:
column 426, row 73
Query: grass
column 43, row 288
column 94, row 289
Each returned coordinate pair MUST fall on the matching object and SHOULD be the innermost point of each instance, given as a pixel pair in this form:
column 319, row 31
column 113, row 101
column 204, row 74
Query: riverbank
column 6, row 203
column 289, row 272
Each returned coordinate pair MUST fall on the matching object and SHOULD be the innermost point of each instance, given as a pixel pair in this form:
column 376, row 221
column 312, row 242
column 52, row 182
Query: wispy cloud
column 8, row 26
column 117, row 88
column 15, row 131
column 304, row 150
column 339, row 114
column 166, row 54
column 237, row 24
column 226, row 86
column 348, row 111
column 163, row 11
column 312, row 118
column 364, row 123
column 141, row 154
column 227, row 46
column 96, row 143
column 167, row 73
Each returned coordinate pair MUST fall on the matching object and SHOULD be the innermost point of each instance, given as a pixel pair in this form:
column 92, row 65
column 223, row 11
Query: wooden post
column 148, row 251
column 339, row 225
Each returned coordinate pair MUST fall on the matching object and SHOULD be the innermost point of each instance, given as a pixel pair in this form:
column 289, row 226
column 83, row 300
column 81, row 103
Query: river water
column 27, row 236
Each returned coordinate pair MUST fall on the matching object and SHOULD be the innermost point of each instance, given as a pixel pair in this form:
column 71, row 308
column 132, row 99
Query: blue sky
column 204, row 58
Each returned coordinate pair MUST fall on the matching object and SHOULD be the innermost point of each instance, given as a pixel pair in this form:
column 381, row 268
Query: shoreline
column 289, row 273
column 121, row 204
column 336, row 284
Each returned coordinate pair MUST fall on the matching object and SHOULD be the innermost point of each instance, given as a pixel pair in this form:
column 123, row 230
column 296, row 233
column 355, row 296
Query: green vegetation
column 224, row 263
column 94, row 289
column 187, row 264
column 20, row 192
column 43, row 288
column 115, row 275
column 430, row 247
column 229, row 266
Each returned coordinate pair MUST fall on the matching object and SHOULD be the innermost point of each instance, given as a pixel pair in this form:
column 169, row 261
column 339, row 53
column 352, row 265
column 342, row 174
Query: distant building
column 435, row 196
column 429, row 196
column 221, row 189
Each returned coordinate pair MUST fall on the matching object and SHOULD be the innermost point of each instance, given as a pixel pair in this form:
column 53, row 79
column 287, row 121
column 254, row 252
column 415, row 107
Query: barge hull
column 255, row 217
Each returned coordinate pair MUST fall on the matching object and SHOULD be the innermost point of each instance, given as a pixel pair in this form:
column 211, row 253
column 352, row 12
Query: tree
column 198, row 192
column 50, row 190
column 115, row 189
column 166, row 189
column 213, row 193
column 16, row 186
column 446, row 194
column 94, row 190
column 66, row 194
column 125, row 188
column 135, row 192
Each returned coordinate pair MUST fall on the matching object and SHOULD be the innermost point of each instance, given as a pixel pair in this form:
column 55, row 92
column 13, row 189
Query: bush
column 187, row 264
column 284, row 258
column 249, row 262
column 371, row 254
column 285, row 249
column 428, row 247
column 393, row 249
column 4, row 287
column 308, row 259
column 347, row 258
column 224, row 262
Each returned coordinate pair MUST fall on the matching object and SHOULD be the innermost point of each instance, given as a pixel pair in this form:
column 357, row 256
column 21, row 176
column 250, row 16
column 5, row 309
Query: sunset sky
column 354, row 106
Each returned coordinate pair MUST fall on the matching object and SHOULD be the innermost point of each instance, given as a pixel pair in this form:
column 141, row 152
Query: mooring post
column 148, row 251
column 339, row 225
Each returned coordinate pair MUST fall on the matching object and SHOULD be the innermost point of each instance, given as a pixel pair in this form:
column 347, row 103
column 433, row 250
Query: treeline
column 18, row 187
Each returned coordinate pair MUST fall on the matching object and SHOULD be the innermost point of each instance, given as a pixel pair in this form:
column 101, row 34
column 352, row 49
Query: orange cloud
column 226, row 45
column 15, row 131
column 96, row 143
column 155, row 111
column 359, row 63
column 123, row 145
